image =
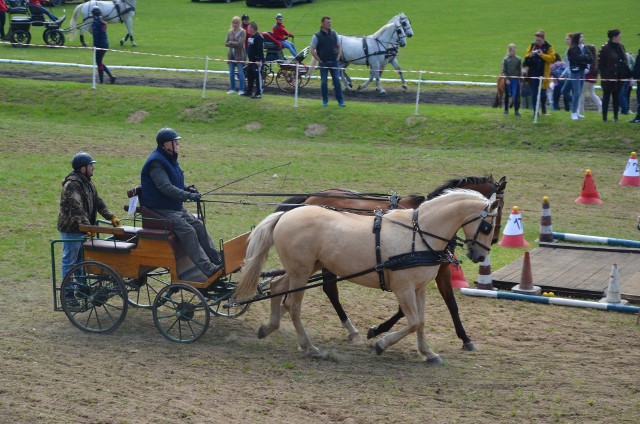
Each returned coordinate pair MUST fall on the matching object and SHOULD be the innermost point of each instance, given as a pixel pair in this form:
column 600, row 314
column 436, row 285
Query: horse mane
column 379, row 32
column 457, row 182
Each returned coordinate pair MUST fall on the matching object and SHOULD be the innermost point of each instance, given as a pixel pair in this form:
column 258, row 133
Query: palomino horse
column 121, row 11
column 372, row 49
column 391, row 57
column 351, row 201
column 401, row 254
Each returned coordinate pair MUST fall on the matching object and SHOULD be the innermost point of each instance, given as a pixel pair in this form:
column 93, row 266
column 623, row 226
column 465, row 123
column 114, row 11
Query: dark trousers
column 610, row 89
column 559, row 90
column 638, row 100
column 254, row 77
column 535, row 84
column 2, row 19
column 102, row 68
column 512, row 90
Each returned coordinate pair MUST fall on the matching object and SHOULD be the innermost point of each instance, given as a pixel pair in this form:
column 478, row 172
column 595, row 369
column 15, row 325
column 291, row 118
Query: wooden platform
column 576, row 270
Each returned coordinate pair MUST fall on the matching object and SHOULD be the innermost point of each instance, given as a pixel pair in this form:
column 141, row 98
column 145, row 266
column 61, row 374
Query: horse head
column 478, row 230
column 405, row 22
column 392, row 33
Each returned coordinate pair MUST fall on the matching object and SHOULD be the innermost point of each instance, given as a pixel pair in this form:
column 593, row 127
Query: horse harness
column 119, row 13
column 428, row 257
column 386, row 51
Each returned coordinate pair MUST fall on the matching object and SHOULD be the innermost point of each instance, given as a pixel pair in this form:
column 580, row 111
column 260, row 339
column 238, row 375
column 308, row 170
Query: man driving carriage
column 36, row 5
column 79, row 204
column 280, row 33
column 163, row 191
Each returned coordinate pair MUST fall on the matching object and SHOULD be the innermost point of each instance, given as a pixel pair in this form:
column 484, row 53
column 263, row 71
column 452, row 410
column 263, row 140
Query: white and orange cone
column 631, row 174
column 526, row 279
column 613, row 290
column 485, row 278
column 513, row 234
column 589, row 194
column 546, row 230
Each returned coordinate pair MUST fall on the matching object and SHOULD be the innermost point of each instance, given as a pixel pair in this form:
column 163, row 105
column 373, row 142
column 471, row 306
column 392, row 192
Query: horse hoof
column 262, row 332
column 436, row 360
column 314, row 352
column 405, row 87
column 355, row 338
column 372, row 332
column 84, row 45
column 122, row 42
column 133, row 44
column 379, row 348
column 468, row 346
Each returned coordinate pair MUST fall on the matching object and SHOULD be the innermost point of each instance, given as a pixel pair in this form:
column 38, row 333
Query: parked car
column 285, row 3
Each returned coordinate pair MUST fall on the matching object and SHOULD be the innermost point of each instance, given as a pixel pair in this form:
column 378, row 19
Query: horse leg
column 407, row 301
column 366, row 83
column 443, row 281
column 423, row 347
column 129, row 25
column 294, row 301
column 330, row 288
column 277, row 311
column 378, row 74
column 385, row 326
column 396, row 66
column 82, row 39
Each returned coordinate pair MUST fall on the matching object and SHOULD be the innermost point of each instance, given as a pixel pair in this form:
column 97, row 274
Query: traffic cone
column 589, row 194
column 526, row 279
column 613, row 291
column 458, row 279
column 485, row 279
column 513, row 234
column 631, row 174
column 546, row 231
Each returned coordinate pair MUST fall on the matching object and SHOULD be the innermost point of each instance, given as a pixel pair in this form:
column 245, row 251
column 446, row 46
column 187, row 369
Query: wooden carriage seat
column 112, row 246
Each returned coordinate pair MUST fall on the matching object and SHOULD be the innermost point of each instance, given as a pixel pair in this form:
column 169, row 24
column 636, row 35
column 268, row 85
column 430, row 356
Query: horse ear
column 493, row 198
column 502, row 184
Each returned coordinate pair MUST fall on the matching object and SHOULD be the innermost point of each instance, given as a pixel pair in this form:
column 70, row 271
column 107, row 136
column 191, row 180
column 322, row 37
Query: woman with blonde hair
column 237, row 56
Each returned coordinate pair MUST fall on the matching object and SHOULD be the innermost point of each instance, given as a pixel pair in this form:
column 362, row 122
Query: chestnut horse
column 355, row 202
column 401, row 255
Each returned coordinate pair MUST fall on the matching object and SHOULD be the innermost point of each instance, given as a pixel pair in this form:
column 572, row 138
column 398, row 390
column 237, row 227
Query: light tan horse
column 311, row 238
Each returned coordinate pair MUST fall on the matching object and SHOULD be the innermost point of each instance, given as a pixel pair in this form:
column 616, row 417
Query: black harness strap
column 365, row 47
column 377, row 226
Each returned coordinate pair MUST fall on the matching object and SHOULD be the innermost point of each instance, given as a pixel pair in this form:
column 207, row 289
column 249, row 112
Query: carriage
column 20, row 26
column 143, row 266
column 283, row 70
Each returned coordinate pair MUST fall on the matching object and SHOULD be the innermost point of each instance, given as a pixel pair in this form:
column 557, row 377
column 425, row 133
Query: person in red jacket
column 36, row 4
column 280, row 33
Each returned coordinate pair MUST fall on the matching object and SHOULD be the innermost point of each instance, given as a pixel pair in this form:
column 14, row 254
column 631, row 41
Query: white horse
column 121, row 11
column 392, row 57
column 371, row 50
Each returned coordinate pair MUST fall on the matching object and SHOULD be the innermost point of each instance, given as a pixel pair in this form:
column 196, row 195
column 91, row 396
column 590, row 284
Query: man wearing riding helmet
column 244, row 25
column 163, row 190
column 100, row 40
column 280, row 33
column 79, row 204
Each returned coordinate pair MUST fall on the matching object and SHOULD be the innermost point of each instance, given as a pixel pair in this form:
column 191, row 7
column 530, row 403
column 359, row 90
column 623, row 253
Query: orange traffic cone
column 589, row 194
column 546, row 231
column 631, row 174
column 513, row 234
column 485, row 278
column 458, row 280
column 526, row 279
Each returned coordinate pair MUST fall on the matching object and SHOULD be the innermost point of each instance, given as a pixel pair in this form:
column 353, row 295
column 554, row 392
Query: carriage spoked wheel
column 181, row 313
column 219, row 299
column 94, row 297
column 53, row 37
column 20, row 38
column 286, row 78
column 267, row 74
column 143, row 291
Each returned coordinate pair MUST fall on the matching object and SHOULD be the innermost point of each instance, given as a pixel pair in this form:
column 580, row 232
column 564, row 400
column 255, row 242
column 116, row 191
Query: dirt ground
column 534, row 363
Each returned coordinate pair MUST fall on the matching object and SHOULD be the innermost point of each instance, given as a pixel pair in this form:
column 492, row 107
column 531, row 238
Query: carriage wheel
column 220, row 304
column 181, row 313
column 286, row 79
column 93, row 297
column 53, row 37
column 267, row 74
column 143, row 291
column 20, row 38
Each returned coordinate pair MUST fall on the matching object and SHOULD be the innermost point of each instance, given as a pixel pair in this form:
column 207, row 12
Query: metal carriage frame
column 19, row 34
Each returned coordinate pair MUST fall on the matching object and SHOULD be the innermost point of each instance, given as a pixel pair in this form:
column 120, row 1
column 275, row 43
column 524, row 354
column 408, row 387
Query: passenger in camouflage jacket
column 79, row 204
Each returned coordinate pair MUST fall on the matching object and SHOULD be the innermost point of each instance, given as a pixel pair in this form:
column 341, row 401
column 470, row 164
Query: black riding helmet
column 245, row 17
column 95, row 11
column 166, row 134
column 81, row 159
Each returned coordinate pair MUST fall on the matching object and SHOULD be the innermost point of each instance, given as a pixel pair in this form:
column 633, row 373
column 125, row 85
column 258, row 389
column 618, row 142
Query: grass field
column 466, row 37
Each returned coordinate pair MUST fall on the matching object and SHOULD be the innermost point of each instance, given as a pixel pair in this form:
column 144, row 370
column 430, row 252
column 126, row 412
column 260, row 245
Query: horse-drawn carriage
column 23, row 17
column 283, row 70
column 144, row 266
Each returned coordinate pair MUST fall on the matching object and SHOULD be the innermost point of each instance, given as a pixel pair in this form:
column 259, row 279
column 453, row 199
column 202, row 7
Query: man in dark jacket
column 326, row 48
column 163, row 191
column 255, row 54
column 612, row 63
column 79, row 204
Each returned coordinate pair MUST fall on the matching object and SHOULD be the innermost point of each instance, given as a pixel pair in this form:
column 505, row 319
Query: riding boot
column 112, row 79
column 101, row 75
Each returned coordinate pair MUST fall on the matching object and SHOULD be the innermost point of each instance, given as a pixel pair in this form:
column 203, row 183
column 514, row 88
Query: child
column 511, row 71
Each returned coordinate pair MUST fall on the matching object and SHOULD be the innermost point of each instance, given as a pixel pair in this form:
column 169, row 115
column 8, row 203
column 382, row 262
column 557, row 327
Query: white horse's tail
column 74, row 21
column 260, row 241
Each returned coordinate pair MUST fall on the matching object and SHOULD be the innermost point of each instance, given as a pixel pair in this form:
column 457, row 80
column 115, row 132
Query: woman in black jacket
column 612, row 63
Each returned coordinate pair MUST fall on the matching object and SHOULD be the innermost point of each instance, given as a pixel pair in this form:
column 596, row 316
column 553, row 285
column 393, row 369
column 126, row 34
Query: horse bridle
column 484, row 227
column 404, row 21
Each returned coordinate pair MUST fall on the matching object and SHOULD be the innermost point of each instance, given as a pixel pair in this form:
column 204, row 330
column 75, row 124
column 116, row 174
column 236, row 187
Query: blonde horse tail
column 74, row 20
column 260, row 241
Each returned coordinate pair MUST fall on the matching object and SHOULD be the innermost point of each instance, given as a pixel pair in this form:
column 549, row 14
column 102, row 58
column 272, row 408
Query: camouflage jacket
column 79, row 204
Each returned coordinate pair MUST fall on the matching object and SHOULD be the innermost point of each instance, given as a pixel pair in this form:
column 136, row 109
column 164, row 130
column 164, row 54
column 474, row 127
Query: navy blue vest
column 153, row 198
column 327, row 47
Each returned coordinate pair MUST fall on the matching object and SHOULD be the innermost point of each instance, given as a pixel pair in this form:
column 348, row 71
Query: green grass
column 450, row 37
column 366, row 147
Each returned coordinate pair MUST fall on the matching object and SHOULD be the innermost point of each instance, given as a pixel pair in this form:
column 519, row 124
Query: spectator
column 255, row 52
column 37, row 4
column 100, row 40
column 612, row 64
column 280, row 33
column 559, row 71
column 579, row 59
column 590, row 81
column 79, row 204
column 163, row 190
column 512, row 72
column 635, row 74
column 627, row 86
column 236, row 56
column 3, row 15
column 567, row 88
column 245, row 27
column 538, row 59
column 326, row 48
